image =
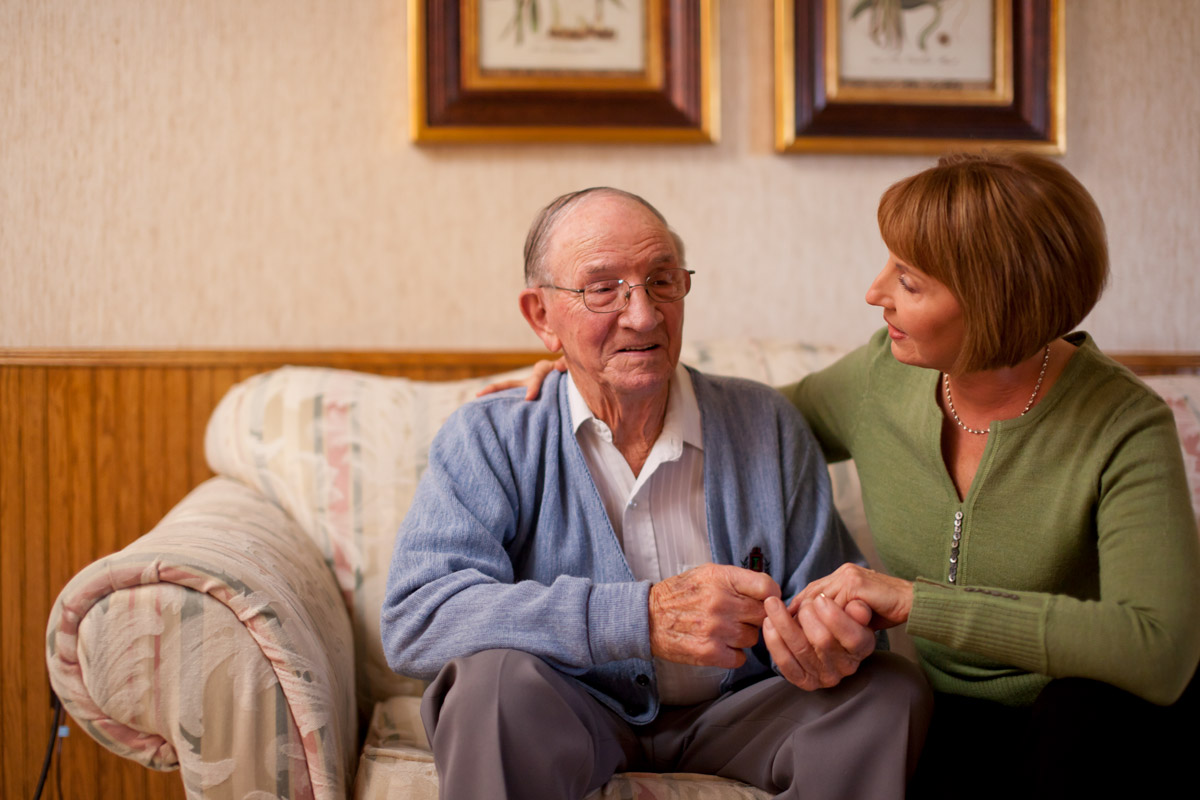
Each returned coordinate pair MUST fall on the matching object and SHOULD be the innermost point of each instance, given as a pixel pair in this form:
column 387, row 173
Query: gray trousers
column 505, row 724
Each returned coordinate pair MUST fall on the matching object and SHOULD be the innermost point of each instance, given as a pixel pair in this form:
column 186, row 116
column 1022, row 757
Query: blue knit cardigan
column 508, row 545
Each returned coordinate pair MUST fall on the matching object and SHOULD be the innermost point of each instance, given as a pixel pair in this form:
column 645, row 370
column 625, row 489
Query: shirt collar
column 683, row 412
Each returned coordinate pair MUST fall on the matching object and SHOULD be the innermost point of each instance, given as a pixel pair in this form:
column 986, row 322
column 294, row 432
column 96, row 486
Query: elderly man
column 584, row 576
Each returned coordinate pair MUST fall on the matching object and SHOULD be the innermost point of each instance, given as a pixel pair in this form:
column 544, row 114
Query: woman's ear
column 533, row 308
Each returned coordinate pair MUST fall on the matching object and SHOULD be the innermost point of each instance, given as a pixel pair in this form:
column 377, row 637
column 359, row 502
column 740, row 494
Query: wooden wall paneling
column 33, row 587
column 153, row 412
column 200, row 408
column 81, row 469
column 104, row 476
column 223, row 379
column 177, row 435
column 12, row 524
column 128, row 494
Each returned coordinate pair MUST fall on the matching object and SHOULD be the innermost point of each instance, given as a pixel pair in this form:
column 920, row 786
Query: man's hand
column 532, row 384
column 821, row 644
column 708, row 614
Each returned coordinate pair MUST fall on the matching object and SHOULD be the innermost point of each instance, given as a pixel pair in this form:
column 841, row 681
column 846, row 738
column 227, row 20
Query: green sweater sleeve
column 1140, row 634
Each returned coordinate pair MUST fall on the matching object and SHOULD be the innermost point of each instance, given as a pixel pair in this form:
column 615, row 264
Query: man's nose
column 642, row 312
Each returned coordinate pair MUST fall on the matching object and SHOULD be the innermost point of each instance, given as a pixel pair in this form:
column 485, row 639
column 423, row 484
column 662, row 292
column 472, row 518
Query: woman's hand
column 532, row 384
column 890, row 599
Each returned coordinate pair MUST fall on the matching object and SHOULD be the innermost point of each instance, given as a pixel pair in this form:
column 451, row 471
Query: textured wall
column 220, row 173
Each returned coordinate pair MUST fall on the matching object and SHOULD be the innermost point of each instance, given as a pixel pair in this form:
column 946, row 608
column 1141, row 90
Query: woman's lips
column 895, row 332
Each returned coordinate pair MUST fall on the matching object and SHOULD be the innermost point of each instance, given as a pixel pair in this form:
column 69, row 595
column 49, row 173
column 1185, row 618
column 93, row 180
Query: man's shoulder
column 741, row 395
column 508, row 414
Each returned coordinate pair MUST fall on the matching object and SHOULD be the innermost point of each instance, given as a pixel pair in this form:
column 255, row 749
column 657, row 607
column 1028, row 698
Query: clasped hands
column 708, row 614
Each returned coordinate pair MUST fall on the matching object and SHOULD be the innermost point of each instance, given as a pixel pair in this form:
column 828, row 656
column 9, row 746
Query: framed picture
column 919, row 76
column 563, row 70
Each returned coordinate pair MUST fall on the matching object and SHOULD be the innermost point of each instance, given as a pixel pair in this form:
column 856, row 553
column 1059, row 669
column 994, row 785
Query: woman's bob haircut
column 1017, row 240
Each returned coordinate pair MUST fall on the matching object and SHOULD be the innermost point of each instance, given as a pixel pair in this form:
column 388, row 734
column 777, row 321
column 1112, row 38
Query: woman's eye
column 904, row 284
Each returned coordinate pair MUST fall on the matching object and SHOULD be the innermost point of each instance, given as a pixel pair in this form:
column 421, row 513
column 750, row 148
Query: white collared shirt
column 659, row 515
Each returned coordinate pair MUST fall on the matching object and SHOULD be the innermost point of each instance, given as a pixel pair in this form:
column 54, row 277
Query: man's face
column 628, row 352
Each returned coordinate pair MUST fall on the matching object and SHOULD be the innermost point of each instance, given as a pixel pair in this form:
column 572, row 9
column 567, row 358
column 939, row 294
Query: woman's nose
column 876, row 295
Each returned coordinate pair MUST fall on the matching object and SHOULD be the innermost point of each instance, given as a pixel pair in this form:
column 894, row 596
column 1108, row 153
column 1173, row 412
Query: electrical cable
column 56, row 707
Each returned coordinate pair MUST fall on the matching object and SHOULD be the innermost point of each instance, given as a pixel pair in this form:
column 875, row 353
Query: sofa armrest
column 218, row 644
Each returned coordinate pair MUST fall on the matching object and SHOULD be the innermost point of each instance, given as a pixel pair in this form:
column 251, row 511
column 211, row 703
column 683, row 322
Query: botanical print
column 563, row 35
column 946, row 43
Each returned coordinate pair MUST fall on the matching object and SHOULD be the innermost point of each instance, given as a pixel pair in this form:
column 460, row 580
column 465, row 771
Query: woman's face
column 924, row 320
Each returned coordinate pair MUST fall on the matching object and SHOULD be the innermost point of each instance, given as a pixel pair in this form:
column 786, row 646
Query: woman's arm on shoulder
column 532, row 384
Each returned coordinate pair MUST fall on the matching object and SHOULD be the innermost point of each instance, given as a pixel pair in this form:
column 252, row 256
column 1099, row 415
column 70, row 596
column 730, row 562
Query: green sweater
column 1079, row 553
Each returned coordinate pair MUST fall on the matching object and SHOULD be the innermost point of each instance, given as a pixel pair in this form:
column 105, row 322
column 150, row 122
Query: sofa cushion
column 341, row 452
column 1182, row 394
column 225, row 605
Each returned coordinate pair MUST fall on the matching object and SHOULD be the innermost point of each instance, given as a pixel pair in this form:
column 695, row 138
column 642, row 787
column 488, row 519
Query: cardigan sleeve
column 451, row 587
column 1141, row 633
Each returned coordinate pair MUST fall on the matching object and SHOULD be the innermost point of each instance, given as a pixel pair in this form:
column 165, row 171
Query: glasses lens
column 664, row 286
column 668, row 285
column 603, row 296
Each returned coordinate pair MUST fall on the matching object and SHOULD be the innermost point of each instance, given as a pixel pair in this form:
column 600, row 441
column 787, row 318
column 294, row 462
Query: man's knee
column 507, row 718
column 899, row 680
column 483, row 683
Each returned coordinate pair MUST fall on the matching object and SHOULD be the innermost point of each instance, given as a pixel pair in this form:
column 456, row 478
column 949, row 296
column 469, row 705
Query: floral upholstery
column 225, row 605
column 239, row 640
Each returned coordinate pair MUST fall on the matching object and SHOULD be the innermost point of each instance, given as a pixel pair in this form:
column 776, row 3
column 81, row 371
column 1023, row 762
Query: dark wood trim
column 418, row 360
column 422, row 364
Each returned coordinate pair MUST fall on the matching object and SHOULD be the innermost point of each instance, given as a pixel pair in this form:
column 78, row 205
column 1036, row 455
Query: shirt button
column 642, row 680
column 633, row 503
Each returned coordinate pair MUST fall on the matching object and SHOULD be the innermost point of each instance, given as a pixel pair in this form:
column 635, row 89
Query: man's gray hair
column 537, row 242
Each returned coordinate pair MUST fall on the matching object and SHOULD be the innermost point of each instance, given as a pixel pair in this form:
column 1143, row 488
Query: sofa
column 238, row 641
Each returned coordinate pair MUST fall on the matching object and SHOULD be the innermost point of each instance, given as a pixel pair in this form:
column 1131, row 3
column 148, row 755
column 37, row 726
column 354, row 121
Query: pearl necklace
column 1029, row 405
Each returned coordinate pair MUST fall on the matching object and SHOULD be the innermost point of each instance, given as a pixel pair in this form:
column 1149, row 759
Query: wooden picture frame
column 483, row 70
column 991, row 76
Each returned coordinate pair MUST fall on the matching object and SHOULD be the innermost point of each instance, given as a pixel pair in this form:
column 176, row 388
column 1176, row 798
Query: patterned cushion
column 224, row 600
column 1182, row 393
column 341, row 452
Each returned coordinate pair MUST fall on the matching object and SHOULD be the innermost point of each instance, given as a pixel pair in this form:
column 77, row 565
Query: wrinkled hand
column 890, row 599
column 821, row 644
column 532, row 384
column 708, row 614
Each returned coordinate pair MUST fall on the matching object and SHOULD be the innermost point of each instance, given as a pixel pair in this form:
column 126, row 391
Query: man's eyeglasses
column 607, row 297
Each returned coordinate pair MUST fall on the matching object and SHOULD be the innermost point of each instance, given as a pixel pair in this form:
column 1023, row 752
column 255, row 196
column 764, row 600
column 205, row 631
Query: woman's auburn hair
column 1014, row 236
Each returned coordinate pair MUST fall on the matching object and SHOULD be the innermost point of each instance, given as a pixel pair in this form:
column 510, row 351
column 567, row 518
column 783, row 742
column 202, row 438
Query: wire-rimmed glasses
column 609, row 297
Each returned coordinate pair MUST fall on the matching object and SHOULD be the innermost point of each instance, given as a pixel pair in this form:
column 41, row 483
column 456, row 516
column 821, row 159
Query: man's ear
column 533, row 308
